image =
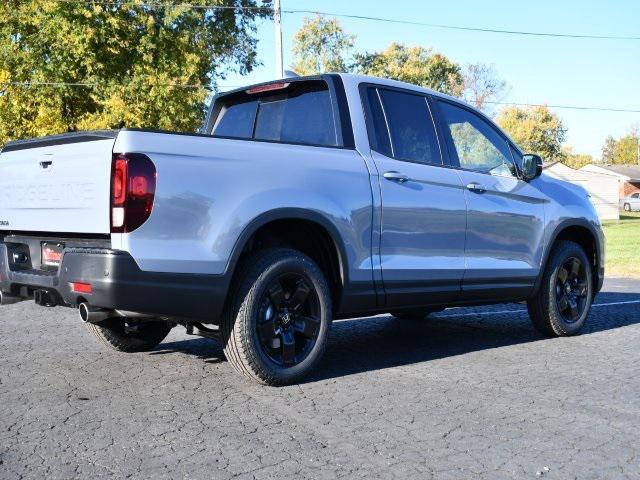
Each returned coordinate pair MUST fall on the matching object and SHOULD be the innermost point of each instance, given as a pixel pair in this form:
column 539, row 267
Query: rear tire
column 562, row 304
column 627, row 207
column 275, row 330
column 117, row 334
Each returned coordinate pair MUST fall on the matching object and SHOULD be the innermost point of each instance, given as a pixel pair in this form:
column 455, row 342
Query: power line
column 224, row 86
column 471, row 29
column 150, row 4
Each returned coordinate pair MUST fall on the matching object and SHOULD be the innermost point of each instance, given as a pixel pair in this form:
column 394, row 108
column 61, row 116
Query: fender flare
column 573, row 222
column 290, row 214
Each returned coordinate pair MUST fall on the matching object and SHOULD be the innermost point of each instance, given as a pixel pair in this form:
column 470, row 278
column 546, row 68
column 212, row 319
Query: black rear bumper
column 117, row 283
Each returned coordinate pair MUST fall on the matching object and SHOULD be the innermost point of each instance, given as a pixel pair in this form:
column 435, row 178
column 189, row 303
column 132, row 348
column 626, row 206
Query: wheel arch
column 330, row 237
column 584, row 234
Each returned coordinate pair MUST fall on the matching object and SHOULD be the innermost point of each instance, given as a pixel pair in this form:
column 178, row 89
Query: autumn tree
column 321, row 45
column 89, row 65
column 575, row 160
column 416, row 65
column 482, row 85
column 535, row 130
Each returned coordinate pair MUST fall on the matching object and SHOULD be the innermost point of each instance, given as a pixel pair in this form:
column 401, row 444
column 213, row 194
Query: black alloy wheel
column 288, row 319
column 571, row 289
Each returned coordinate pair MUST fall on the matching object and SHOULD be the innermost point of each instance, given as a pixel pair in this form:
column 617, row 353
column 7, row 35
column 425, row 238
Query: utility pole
column 277, row 17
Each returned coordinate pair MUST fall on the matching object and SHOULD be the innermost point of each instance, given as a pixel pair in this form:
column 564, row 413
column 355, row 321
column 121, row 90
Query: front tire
column 276, row 328
column 562, row 304
column 627, row 207
column 127, row 336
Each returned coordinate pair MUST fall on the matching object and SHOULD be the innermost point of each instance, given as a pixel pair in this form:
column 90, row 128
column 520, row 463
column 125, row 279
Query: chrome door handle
column 396, row 177
column 476, row 187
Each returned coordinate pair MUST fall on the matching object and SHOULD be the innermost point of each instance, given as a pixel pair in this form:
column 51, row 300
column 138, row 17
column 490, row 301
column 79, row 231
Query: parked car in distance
column 631, row 203
column 304, row 200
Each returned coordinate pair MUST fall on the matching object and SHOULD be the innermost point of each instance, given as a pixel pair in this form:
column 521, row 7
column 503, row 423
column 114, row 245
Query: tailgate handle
column 46, row 164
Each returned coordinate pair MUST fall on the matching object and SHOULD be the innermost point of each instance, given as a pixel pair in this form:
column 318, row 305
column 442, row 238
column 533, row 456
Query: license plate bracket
column 52, row 253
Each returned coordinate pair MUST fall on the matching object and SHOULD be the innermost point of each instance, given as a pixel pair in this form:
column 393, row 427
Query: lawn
column 623, row 246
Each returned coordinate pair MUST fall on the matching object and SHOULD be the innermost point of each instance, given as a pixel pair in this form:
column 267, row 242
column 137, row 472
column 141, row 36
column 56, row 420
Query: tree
column 535, row 129
column 132, row 62
column 575, row 160
column 608, row 150
column 417, row 65
column 625, row 151
column 482, row 85
column 321, row 45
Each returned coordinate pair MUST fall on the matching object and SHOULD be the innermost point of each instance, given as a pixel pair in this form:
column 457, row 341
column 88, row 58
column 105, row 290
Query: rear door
column 60, row 185
column 505, row 215
column 423, row 203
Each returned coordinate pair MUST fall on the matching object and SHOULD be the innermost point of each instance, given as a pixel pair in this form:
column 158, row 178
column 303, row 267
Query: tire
column 416, row 314
column 271, row 333
column 138, row 337
column 627, row 207
column 552, row 309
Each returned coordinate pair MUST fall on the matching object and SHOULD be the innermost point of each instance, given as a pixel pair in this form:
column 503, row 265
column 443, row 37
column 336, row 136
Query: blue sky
column 602, row 73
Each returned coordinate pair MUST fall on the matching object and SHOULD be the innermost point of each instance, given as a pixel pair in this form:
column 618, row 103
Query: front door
column 423, row 203
column 505, row 215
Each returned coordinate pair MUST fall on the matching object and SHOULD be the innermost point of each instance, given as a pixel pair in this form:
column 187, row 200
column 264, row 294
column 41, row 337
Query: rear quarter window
column 302, row 113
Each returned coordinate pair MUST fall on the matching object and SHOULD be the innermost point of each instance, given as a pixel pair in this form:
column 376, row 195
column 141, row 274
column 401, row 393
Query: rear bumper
column 117, row 283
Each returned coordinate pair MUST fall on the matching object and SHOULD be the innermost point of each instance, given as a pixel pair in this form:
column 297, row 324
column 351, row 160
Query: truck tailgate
column 57, row 184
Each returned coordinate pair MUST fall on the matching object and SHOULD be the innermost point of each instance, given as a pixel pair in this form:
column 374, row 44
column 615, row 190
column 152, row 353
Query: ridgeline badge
column 4, row 223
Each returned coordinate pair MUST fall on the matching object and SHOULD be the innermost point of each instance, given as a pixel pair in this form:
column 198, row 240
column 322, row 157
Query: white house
column 629, row 176
column 603, row 188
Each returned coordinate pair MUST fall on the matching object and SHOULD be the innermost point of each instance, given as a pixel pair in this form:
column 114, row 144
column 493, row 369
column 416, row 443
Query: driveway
column 469, row 393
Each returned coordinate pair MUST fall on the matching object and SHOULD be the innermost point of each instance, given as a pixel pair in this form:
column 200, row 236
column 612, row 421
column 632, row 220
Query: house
column 629, row 176
column 603, row 188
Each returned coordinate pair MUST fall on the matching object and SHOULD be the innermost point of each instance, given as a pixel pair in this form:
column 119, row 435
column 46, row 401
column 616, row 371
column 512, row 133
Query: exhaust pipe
column 45, row 298
column 89, row 314
column 8, row 299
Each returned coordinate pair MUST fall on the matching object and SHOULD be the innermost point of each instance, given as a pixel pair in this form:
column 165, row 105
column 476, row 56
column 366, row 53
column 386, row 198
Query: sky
column 540, row 70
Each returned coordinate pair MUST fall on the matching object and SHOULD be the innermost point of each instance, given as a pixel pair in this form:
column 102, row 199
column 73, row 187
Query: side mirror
column 531, row 166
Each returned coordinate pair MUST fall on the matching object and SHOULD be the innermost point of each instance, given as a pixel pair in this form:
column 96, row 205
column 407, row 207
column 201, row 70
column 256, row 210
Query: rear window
column 302, row 113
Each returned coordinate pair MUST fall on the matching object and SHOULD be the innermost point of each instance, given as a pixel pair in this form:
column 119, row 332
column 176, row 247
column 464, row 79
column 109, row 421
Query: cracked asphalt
column 469, row 393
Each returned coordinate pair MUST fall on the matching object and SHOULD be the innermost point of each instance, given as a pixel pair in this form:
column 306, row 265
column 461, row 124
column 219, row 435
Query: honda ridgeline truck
column 302, row 201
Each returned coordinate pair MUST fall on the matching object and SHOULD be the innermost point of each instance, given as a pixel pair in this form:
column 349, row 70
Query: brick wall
column 627, row 188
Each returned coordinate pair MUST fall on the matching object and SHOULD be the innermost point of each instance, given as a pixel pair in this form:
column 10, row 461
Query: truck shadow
column 374, row 343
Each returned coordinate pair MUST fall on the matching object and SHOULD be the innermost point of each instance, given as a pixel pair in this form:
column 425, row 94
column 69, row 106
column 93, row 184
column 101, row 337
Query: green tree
column 134, row 62
column 321, row 45
column 625, row 151
column 535, row 130
column 416, row 65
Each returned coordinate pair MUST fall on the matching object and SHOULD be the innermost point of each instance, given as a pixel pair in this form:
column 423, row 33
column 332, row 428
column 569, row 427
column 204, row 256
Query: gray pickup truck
column 302, row 201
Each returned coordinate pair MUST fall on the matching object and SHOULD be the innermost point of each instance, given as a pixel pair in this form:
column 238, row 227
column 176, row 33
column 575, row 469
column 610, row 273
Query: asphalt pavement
column 468, row 393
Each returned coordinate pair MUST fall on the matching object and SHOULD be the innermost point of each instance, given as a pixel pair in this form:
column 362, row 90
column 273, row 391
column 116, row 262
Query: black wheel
column 562, row 304
column 130, row 336
column 415, row 314
column 276, row 329
column 627, row 207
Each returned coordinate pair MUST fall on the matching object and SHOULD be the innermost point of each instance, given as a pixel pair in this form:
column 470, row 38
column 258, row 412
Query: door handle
column 476, row 187
column 396, row 177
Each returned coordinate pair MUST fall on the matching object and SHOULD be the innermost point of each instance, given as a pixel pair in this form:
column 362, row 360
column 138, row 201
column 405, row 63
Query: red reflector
column 268, row 88
column 81, row 288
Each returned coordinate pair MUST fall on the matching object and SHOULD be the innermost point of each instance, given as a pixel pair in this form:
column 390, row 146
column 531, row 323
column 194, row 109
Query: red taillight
column 81, row 287
column 132, row 191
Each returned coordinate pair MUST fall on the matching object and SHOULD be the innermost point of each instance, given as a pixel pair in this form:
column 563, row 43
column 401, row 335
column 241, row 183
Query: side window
column 476, row 143
column 236, row 120
column 411, row 128
column 376, row 124
column 636, row 195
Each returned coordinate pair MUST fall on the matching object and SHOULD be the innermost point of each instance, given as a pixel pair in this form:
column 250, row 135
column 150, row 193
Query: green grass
column 623, row 245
